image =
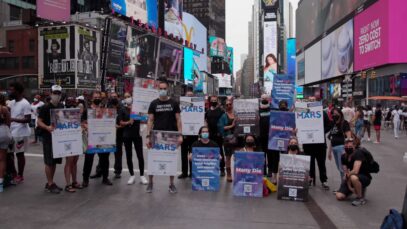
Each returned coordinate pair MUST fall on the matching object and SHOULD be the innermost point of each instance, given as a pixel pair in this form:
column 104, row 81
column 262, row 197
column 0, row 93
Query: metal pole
column 367, row 90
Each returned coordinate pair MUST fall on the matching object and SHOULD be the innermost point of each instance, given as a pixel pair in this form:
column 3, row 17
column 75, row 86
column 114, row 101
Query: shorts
column 364, row 180
column 377, row 127
column 48, row 155
column 5, row 137
column 19, row 145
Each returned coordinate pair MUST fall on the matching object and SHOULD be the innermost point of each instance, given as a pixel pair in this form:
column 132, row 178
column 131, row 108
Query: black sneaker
column 53, row 189
column 222, row 173
column 95, row 176
column 107, row 182
column 117, row 176
column 59, row 188
column 182, row 176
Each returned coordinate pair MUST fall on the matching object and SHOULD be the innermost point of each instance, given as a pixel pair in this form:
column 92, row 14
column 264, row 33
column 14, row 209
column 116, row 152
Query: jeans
column 337, row 153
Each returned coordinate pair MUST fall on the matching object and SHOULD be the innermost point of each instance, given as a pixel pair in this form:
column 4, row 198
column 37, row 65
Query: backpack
column 373, row 166
column 393, row 220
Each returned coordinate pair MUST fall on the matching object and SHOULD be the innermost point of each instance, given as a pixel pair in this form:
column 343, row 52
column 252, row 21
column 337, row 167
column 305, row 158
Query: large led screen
column 270, row 54
column 144, row 10
column 170, row 61
column 173, row 17
column 218, row 47
column 313, row 63
column 195, row 32
column 291, row 57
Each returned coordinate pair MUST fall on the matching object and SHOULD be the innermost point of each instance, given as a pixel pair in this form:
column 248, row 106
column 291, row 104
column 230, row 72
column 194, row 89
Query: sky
column 238, row 15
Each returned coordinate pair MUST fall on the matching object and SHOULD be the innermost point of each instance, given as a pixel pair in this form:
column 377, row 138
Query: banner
column 282, row 125
column 101, row 130
column 163, row 156
column 283, row 89
column 270, row 54
column 309, row 119
column 170, row 61
column 205, row 169
column 248, row 174
column 117, row 42
column 54, row 10
column 192, row 114
column 142, row 97
column 67, row 135
column 293, row 177
column 247, row 113
column 88, row 44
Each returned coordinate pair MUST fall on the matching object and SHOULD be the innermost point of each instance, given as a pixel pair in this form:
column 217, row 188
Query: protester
column 359, row 120
column 212, row 116
column 5, row 138
column 356, row 173
column 186, row 148
column 226, row 127
column 164, row 114
column 35, row 106
column 44, row 122
column 20, row 110
column 264, row 126
column 115, row 103
column 293, row 148
column 203, row 140
column 367, row 119
column 396, row 113
column 249, row 143
column 103, row 157
column 131, row 136
column 377, row 122
column 337, row 135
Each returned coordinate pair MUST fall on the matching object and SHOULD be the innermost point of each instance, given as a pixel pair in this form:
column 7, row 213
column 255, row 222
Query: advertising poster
column 309, row 118
column 282, row 125
column 193, row 75
column 248, row 174
column 283, row 89
column 217, row 46
column 291, row 57
column 163, row 157
column 137, row 9
column 101, row 130
column 192, row 114
column 67, row 135
column 173, row 17
column 205, row 169
column 54, row 10
column 142, row 97
column 195, row 32
column 337, row 52
column 247, row 114
column 117, row 43
column 270, row 50
column 88, row 57
column 293, row 177
column 170, row 61
column 224, row 80
column 57, row 56
column 230, row 59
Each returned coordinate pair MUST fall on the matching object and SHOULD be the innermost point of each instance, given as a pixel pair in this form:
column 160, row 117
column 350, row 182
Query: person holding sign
column 203, row 140
column 293, row 148
column 163, row 114
column 44, row 122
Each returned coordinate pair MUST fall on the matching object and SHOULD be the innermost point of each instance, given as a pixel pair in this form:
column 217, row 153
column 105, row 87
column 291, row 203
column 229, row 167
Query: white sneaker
column 132, row 180
column 143, row 180
column 369, row 140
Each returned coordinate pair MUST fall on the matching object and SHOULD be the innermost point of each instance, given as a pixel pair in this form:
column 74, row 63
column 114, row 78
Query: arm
column 356, row 168
column 6, row 116
column 26, row 119
column 149, row 128
column 42, row 125
column 179, row 126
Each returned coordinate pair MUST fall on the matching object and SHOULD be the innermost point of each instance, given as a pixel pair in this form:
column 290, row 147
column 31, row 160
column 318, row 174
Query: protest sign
column 101, row 130
column 309, row 122
column 163, row 156
column 67, row 135
column 247, row 113
column 205, row 169
column 293, row 177
column 283, row 89
column 192, row 114
column 282, row 126
column 142, row 97
column 248, row 174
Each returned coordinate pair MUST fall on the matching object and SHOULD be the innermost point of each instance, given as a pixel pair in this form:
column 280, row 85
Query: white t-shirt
column 19, row 110
column 348, row 114
column 367, row 115
column 396, row 115
column 34, row 109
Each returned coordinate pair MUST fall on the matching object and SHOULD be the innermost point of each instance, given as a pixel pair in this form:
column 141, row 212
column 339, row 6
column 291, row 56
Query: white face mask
column 35, row 100
column 55, row 99
column 128, row 101
column 163, row 93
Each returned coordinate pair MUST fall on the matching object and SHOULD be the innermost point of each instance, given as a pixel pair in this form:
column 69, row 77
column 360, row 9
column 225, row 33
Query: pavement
column 28, row 206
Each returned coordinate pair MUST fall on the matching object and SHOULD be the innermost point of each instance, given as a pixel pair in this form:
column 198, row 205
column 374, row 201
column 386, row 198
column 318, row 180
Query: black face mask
column 283, row 109
column 349, row 151
column 250, row 144
column 214, row 104
column 113, row 102
column 264, row 102
column 293, row 147
column 97, row 102
column 335, row 118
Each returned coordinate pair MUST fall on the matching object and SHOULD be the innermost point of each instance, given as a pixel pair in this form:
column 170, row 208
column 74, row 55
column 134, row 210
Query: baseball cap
column 56, row 88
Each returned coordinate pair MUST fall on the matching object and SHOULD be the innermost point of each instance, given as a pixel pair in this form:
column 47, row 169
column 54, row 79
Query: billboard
column 300, row 71
column 144, row 10
column 379, row 38
column 170, row 61
column 314, row 17
column 173, row 17
column 224, row 80
column 230, row 58
column 88, row 57
column 54, row 10
column 313, row 63
column 194, row 32
column 217, row 46
column 291, row 63
column 270, row 53
column 337, row 52
column 117, row 43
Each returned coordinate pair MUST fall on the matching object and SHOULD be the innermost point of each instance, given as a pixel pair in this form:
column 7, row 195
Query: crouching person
column 357, row 176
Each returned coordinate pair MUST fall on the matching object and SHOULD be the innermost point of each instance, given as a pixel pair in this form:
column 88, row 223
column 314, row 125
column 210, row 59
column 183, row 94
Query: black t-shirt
column 45, row 116
column 358, row 155
column 264, row 122
column 164, row 114
column 212, row 117
column 201, row 144
column 337, row 133
column 378, row 118
column 129, row 131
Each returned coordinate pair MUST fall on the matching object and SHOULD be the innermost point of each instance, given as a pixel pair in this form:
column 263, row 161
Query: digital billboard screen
column 117, row 43
column 195, row 32
column 170, row 61
column 291, row 58
column 54, row 10
column 218, row 47
column 173, row 17
column 270, row 54
column 144, row 10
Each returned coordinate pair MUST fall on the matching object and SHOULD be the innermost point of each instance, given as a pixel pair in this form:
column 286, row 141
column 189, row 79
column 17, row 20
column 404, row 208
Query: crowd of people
column 345, row 129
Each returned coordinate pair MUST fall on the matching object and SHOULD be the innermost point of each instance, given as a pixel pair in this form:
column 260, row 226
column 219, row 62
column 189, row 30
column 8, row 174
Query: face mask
column 97, row 102
column 349, row 151
column 128, row 101
column 163, row 93
column 55, row 99
column 283, row 109
column 35, row 100
column 335, row 118
column 250, row 144
column 214, row 104
column 205, row 135
column 114, row 102
column 264, row 102
column 293, row 147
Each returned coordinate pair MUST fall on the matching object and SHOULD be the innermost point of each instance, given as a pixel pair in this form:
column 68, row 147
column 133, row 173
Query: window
column 15, row 13
column 11, row 46
column 9, row 63
column 28, row 62
column 31, row 45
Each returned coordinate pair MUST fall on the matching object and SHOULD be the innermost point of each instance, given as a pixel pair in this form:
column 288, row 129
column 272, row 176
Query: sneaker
column 117, row 176
column 143, row 180
column 182, row 176
column 222, row 173
column 358, row 202
column 53, row 189
column 107, row 182
column 149, row 188
column 95, row 176
column 19, row 179
column 132, row 180
column 59, row 188
column 172, row 189
column 325, row 186
column 376, row 142
column 369, row 140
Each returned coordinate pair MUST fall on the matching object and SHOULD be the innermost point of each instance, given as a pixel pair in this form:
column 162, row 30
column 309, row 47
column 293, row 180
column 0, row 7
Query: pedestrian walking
column 367, row 121
column 5, row 138
column 377, row 122
column 359, row 122
column 396, row 113
column 35, row 106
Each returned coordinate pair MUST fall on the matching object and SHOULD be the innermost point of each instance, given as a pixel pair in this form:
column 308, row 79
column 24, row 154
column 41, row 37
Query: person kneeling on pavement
column 357, row 176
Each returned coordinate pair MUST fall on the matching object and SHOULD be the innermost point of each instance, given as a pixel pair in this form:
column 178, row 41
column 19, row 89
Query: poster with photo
column 192, row 115
column 205, row 169
column 247, row 115
column 101, row 130
column 117, row 43
column 170, row 61
column 142, row 97
column 67, row 135
column 293, row 177
column 163, row 156
column 248, row 174
column 173, row 17
column 282, row 126
column 309, row 118
column 88, row 44
column 283, row 89
column 218, row 47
